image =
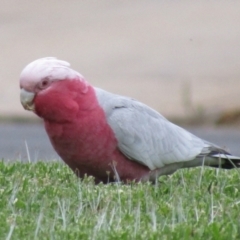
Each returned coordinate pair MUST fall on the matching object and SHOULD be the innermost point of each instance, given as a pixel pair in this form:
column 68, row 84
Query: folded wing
column 146, row 136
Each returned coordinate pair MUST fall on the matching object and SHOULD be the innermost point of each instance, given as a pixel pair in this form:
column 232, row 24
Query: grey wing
column 146, row 136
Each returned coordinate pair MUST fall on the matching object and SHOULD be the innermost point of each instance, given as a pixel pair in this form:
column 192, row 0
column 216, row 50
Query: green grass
column 46, row 201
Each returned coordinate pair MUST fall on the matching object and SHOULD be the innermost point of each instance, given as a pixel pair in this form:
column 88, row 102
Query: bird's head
column 49, row 87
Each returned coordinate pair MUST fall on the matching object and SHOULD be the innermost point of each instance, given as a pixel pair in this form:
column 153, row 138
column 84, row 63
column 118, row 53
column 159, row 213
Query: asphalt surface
column 17, row 140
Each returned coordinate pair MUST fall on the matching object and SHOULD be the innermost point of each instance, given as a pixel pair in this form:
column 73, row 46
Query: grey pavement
column 25, row 142
column 16, row 140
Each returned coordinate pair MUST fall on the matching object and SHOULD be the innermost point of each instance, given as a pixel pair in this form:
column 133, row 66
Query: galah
column 107, row 136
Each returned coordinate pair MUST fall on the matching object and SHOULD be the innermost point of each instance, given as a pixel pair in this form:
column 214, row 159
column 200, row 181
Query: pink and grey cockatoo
column 107, row 136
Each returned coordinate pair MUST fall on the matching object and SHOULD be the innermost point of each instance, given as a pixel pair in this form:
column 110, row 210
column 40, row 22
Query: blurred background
column 180, row 57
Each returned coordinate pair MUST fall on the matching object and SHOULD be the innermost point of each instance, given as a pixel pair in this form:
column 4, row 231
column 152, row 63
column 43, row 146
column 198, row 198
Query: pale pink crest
column 46, row 68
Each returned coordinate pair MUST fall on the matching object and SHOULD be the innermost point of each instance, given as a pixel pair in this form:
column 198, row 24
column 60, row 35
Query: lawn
column 46, row 201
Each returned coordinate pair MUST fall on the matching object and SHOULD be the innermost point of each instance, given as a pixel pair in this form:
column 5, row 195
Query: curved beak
column 26, row 99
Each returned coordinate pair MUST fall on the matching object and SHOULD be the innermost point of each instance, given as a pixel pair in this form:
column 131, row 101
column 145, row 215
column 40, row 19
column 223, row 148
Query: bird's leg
column 116, row 175
column 153, row 175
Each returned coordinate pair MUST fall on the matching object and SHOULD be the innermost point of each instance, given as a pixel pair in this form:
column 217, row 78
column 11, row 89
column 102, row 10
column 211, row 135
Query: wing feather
column 146, row 136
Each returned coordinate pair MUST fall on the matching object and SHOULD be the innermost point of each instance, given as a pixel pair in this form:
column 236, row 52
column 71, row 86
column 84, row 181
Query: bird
column 110, row 137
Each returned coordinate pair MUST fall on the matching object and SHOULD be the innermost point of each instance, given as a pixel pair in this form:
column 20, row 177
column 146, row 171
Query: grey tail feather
column 226, row 160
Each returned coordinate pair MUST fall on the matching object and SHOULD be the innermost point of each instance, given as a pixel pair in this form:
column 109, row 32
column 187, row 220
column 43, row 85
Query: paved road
column 15, row 137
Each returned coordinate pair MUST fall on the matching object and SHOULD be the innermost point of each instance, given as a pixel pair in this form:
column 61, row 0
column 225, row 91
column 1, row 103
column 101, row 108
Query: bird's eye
column 44, row 83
